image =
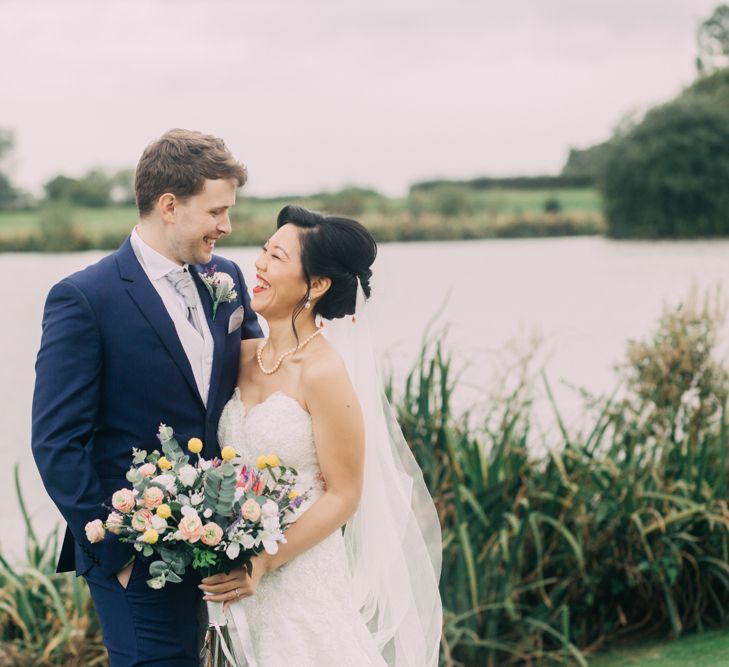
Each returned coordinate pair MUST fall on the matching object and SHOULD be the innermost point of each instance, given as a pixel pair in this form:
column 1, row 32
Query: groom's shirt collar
column 155, row 264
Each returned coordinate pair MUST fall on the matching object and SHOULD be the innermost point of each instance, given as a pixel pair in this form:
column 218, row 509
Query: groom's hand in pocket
column 125, row 574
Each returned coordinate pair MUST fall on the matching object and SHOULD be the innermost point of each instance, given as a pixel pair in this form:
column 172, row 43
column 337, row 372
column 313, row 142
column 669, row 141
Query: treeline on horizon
column 663, row 175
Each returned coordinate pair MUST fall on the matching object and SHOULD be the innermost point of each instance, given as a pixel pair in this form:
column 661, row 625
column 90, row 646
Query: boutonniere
column 220, row 286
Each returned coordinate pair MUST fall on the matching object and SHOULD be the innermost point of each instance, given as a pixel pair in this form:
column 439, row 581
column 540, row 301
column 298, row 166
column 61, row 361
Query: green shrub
column 668, row 176
column 552, row 205
column 58, row 232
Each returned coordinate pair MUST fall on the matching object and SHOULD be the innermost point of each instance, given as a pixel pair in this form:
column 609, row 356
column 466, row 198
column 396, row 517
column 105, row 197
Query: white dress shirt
column 199, row 350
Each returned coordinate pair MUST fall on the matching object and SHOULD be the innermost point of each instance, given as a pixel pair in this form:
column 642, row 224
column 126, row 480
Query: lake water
column 583, row 297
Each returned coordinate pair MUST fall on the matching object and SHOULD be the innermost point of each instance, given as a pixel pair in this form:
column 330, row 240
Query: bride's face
column 280, row 284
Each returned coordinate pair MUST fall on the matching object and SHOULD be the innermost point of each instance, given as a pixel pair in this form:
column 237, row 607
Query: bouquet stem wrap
column 219, row 643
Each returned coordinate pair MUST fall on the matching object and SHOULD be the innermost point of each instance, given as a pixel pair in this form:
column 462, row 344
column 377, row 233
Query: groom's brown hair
column 179, row 162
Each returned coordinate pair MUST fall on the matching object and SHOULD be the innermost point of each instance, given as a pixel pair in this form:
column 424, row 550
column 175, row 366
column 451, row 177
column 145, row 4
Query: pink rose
column 153, row 497
column 95, row 531
column 191, row 527
column 212, row 533
column 114, row 523
column 141, row 520
column 148, row 469
column 123, row 500
column 251, row 510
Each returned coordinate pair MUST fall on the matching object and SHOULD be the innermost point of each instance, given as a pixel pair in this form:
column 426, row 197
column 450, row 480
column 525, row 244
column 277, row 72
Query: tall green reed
column 45, row 618
column 617, row 531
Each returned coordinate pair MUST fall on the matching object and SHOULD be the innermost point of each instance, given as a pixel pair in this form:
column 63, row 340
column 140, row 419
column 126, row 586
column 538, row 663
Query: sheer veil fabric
column 393, row 541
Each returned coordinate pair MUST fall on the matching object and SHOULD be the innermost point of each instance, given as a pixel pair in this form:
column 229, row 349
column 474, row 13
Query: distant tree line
column 568, row 180
column 96, row 188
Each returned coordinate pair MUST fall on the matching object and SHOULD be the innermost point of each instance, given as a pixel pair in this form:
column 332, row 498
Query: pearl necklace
column 277, row 365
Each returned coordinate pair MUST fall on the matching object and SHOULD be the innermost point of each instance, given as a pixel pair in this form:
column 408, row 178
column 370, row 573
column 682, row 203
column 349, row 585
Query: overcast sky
column 315, row 95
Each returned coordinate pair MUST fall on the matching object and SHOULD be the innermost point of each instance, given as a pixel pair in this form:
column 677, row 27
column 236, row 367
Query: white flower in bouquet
column 159, row 524
column 269, row 509
column 167, row 481
column 187, row 475
column 269, row 538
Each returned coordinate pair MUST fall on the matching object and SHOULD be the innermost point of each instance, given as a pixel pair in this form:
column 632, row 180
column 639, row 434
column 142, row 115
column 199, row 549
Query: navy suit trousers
column 141, row 626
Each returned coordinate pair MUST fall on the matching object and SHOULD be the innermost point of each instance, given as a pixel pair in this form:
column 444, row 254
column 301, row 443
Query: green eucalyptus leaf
column 173, row 577
column 158, row 568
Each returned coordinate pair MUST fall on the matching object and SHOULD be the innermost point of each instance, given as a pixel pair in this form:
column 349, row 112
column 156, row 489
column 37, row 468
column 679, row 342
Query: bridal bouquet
column 213, row 515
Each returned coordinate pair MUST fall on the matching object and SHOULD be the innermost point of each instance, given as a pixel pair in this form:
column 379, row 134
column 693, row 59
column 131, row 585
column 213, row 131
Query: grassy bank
column 710, row 649
column 618, row 533
column 445, row 214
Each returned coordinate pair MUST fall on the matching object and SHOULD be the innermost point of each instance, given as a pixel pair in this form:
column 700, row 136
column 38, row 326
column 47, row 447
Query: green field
column 444, row 214
column 705, row 650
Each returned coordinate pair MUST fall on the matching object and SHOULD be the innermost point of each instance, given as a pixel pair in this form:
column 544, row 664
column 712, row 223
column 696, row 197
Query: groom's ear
column 166, row 205
column 319, row 287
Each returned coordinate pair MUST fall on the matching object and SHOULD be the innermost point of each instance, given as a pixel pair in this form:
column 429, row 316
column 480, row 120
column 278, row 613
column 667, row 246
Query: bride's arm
column 339, row 438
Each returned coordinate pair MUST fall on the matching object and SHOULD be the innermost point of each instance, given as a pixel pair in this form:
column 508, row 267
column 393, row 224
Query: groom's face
column 199, row 221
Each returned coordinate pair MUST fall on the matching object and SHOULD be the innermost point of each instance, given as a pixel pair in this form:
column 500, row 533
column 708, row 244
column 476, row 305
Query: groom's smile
column 200, row 220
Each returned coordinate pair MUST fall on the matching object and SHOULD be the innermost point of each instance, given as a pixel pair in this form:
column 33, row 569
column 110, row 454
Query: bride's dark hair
column 336, row 248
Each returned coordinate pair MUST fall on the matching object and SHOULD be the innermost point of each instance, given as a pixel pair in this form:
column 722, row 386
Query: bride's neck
column 281, row 336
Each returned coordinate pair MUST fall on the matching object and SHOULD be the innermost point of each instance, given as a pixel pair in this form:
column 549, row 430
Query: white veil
column 393, row 541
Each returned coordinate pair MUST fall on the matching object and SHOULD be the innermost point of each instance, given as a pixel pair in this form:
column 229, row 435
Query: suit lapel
column 218, row 329
column 144, row 294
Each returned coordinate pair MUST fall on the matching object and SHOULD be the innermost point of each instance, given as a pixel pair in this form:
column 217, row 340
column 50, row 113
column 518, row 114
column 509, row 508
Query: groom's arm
column 65, row 407
column 250, row 327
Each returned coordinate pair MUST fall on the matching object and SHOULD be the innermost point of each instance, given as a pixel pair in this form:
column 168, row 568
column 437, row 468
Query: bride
column 368, row 595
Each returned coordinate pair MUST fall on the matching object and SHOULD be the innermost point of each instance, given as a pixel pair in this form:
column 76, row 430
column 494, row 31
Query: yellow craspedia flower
column 273, row 461
column 293, row 494
column 164, row 511
column 150, row 536
column 164, row 463
column 228, row 453
column 195, row 445
column 261, row 462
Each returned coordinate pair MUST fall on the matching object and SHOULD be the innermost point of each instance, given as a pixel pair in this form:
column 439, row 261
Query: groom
column 128, row 343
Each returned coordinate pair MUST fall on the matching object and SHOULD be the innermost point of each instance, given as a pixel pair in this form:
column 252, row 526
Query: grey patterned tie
column 182, row 281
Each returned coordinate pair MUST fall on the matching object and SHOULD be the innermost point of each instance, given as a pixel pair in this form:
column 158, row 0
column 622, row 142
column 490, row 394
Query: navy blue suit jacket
column 109, row 370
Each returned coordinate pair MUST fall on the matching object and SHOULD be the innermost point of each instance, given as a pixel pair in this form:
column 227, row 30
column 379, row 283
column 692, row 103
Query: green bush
column 58, row 232
column 349, row 202
column 552, row 205
column 668, row 176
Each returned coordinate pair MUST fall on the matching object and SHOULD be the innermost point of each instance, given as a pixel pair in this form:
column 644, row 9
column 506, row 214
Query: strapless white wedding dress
column 302, row 614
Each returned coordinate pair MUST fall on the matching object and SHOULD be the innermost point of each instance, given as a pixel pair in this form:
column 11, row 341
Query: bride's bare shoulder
column 324, row 371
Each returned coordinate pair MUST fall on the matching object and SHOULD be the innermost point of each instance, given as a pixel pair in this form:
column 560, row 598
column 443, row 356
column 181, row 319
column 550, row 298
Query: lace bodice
column 279, row 425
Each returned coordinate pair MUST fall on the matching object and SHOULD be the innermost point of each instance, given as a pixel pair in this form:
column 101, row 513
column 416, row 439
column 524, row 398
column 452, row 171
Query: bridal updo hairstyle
column 336, row 248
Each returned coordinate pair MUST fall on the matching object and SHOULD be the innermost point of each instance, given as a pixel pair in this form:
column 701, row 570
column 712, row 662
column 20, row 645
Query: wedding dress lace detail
column 302, row 614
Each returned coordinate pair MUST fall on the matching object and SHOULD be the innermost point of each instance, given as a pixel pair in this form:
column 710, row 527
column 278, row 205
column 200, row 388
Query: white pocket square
column 236, row 319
